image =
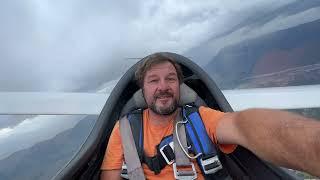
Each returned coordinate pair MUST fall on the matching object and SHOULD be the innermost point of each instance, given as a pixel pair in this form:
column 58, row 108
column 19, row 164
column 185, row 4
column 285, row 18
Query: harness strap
column 155, row 163
column 201, row 142
column 181, row 160
column 136, row 124
column 134, row 168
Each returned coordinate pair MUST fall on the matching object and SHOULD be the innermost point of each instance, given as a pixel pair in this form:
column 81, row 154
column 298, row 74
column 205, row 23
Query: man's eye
column 153, row 81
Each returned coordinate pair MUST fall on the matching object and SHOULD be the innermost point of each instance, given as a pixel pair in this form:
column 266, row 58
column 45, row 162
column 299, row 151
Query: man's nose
column 163, row 85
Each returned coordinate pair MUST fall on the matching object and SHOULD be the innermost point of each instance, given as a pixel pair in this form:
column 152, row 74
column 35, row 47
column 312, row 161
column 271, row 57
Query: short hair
column 152, row 60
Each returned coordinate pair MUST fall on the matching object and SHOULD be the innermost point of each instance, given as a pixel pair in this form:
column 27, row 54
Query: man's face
column 161, row 88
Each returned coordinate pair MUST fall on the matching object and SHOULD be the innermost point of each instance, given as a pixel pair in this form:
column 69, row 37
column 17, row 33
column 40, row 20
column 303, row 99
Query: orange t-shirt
column 153, row 134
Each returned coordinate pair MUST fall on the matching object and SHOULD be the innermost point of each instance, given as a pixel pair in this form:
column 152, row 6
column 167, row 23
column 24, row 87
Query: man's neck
column 161, row 120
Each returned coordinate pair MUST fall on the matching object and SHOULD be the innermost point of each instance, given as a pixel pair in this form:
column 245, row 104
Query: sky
column 80, row 44
column 85, row 46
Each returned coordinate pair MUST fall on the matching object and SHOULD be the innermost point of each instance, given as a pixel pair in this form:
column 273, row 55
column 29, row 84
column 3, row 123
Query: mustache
column 163, row 94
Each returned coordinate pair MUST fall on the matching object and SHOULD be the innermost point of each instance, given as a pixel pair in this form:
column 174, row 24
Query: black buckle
column 167, row 153
column 155, row 163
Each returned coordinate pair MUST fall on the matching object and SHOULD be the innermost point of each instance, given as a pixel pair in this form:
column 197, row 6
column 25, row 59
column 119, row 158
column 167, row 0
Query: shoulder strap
column 134, row 169
column 180, row 146
column 201, row 142
column 197, row 131
column 136, row 124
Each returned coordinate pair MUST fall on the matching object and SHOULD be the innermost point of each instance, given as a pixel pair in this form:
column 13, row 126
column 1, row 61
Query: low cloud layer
column 34, row 130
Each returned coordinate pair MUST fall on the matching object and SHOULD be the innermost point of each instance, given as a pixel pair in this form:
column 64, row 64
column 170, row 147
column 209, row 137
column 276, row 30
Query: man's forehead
column 163, row 67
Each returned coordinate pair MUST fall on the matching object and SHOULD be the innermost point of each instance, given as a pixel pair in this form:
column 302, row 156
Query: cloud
column 79, row 45
column 9, row 121
column 61, row 46
column 257, row 22
column 19, row 132
column 34, row 130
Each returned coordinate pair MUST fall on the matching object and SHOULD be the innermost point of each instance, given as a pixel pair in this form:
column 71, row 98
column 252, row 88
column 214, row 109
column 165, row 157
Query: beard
column 166, row 110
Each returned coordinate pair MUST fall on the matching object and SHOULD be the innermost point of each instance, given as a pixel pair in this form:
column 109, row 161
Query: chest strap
column 134, row 169
column 181, row 158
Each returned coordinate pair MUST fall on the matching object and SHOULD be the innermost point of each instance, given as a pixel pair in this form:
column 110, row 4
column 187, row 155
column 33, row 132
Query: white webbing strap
column 181, row 160
column 134, row 169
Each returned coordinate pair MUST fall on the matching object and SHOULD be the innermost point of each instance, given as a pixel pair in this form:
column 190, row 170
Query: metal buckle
column 124, row 171
column 214, row 162
column 183, row 174
column 164, row 155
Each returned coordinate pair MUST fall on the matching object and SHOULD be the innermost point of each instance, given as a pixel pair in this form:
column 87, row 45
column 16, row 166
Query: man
column 279, row 137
